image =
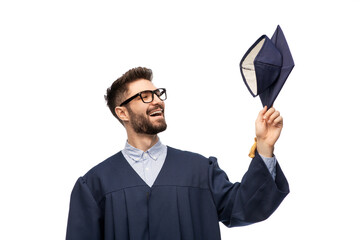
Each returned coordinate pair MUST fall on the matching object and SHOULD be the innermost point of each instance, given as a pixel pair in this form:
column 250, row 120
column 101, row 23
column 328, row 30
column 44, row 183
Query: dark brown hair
column 117, row 92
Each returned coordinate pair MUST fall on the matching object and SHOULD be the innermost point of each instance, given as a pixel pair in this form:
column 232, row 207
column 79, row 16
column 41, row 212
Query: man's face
column 145, row 118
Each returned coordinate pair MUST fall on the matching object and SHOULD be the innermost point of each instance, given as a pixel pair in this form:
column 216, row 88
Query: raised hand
column 268, row 126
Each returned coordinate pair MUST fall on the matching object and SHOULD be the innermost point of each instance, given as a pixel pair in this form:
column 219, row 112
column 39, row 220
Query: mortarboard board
column 266, row 66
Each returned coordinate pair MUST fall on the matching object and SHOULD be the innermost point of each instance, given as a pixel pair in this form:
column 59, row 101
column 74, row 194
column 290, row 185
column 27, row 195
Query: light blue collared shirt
column 270, row 164
column 148, row 164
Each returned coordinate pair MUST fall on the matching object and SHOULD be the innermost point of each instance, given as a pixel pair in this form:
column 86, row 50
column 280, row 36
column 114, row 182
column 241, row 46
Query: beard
column 142, row 124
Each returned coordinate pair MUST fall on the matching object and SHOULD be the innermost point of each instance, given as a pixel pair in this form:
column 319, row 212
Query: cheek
column 140, row 109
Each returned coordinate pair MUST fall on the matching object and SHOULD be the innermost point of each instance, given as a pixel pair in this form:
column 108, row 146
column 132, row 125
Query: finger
column 278, row 120
column 273, row 116
column 268, row 113
column 262, row 112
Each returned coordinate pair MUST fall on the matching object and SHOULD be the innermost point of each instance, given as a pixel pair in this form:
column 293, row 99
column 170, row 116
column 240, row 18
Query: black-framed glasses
column 147, row 96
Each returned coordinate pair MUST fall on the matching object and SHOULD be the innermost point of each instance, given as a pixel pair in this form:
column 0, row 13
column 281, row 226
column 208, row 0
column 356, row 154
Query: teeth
column 153, row 113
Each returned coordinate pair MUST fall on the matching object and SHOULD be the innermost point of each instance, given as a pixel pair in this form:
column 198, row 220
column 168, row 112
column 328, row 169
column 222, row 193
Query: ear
column 122, row 113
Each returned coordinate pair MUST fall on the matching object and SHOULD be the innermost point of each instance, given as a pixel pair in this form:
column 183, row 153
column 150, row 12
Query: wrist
column 264, row 149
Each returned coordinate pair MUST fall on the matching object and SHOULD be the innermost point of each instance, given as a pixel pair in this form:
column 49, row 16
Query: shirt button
column 147, row 169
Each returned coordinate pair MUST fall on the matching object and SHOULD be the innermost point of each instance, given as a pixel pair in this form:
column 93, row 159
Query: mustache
column 156, row 106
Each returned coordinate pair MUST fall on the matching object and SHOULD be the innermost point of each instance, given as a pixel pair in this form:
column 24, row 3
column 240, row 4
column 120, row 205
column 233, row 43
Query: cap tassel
column 253, row 149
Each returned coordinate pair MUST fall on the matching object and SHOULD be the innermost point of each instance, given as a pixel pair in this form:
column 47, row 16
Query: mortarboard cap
column 266, row 66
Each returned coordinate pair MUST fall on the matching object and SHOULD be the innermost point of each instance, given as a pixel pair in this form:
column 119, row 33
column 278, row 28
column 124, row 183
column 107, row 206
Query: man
column 152, row 191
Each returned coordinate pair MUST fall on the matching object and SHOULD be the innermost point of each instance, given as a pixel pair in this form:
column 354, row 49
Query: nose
column 157, row 99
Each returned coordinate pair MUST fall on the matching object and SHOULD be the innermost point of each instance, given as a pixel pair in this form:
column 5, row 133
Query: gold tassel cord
column 253, row 149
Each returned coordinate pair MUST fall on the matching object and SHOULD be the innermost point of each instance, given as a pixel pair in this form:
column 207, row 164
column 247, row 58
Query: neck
column 142, row 141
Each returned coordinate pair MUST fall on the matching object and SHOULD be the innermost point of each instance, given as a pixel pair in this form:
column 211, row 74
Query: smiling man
column 152, row 191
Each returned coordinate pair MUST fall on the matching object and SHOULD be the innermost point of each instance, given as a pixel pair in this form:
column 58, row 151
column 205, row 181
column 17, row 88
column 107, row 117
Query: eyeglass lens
column 148, row 96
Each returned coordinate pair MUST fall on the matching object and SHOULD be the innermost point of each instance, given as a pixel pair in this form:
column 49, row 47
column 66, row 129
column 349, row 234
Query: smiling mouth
column 156, row 113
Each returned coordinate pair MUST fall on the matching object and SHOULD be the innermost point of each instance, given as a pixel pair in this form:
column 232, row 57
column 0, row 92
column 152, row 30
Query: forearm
column 270, row 164
column 252, row 200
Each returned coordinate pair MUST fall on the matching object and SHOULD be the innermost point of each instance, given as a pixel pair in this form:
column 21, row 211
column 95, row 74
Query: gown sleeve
column 252, row 200
column 84, row 221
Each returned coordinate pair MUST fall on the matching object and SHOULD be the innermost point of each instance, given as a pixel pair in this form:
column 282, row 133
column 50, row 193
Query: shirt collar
column 137, row 154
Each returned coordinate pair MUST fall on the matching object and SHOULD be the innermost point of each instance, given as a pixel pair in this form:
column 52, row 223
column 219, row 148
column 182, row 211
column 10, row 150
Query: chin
column 159, row 127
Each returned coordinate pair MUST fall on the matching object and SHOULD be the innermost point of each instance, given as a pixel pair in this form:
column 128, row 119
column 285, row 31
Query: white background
column 58, row 57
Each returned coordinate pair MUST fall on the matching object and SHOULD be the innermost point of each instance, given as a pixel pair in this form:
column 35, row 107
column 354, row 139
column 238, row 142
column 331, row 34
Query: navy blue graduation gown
column 188, row 199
